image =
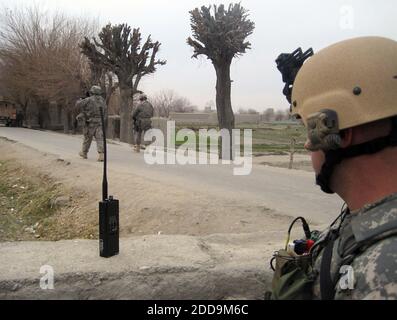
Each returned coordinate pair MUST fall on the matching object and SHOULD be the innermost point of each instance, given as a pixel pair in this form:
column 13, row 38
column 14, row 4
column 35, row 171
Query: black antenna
column 104, row 179
column 108, row 210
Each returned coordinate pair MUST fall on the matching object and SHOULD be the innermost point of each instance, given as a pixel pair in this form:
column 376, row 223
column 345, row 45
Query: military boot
column 83, row 155
column 137, row 148
column 100, row 157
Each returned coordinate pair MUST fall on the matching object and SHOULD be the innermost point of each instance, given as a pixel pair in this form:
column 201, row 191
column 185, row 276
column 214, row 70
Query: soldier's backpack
column 294, row 276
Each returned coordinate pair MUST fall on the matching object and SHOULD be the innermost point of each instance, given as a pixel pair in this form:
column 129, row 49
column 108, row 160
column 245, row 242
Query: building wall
column 194, row 118
column 211, row 118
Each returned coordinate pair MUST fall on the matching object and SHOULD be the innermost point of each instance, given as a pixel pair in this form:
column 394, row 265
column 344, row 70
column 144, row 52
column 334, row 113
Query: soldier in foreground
column 90, row 117
column 142, row 120
column 346, row 96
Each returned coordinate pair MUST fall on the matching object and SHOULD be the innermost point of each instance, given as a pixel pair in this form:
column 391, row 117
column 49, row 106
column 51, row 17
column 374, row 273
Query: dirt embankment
column 146, row 206
column 35, row 206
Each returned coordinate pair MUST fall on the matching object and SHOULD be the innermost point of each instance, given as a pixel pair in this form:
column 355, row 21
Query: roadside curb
column 148, row 267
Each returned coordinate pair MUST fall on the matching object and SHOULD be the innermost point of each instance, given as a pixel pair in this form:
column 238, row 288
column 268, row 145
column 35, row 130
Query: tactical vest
column 294, row 276
column 92, row 110
column 142, row 121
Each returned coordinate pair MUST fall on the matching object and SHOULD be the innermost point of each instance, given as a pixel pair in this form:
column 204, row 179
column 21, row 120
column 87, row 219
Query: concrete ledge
column 149, row 267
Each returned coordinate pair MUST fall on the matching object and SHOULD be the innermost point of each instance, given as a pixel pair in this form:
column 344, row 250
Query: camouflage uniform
column 364, row 242
column 142, row 120
column 375, row 275
column 91, row 117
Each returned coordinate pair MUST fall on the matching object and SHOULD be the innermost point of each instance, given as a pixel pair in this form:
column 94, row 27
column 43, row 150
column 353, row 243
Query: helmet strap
column 334, row 157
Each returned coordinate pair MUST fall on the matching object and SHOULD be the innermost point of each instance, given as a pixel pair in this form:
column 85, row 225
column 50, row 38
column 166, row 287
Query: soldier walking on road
column 142, row 120
column 90, row 117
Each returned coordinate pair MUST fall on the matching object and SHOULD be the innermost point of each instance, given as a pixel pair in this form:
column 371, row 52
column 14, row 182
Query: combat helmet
column 96, row 90
column 347, row 84
column 142, row 97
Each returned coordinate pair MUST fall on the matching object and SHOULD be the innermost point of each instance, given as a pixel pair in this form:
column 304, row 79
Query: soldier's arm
column 375, row 272
column 105, row 114
column 105, row 111
column 81, row 104
column 80, row 117
column 136, row 112
column 151, row 111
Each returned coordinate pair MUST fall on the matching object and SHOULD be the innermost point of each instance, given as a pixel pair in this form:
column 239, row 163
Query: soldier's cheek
column 318, row 159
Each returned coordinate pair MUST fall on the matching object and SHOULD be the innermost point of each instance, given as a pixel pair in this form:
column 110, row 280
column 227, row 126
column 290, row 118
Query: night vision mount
column 289, row 64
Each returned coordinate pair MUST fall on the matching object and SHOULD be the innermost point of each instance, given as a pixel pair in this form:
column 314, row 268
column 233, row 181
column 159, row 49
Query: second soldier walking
column 90, row 117
column 142, row 120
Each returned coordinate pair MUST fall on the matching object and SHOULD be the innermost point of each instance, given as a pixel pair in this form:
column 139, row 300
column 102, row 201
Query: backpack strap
column 327, row 287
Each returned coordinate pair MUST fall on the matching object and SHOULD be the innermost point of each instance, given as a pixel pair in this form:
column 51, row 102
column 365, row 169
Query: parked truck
column 8, row 114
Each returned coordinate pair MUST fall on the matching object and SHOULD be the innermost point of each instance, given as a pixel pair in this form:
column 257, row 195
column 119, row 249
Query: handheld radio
column 108, row 211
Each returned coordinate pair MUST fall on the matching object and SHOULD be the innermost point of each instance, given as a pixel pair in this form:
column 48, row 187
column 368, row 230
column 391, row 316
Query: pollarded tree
column 221, row 35
column 121, row 51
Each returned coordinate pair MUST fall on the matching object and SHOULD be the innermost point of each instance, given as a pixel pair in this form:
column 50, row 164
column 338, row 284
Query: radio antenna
column 104, row 178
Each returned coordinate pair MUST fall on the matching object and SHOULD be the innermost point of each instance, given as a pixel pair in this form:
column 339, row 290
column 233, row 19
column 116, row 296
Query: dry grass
column 28, row 211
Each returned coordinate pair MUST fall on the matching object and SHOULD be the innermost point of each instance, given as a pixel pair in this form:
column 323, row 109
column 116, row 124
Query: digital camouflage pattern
column 142, row 119
column 90, row 131
column 90, row 116
column 375, row 269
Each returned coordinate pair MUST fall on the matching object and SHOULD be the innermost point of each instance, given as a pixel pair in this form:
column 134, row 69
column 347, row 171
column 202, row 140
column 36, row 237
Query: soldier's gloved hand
column 80, row 118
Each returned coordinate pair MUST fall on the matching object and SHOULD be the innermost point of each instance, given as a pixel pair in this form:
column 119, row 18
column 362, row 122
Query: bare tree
column 287, row 115
column 252, row 111
column 182, row 104
column 279, row 115
column 40, row 58
column 162, row 103
column 242, row 111
column 209, row 105
column 269, row 114
column 220, row 35
column 121, row 51
column 168, row 101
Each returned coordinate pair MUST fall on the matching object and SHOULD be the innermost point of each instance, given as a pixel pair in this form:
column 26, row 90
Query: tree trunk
column 32, row 115
column 125, row 114
column 223, row 102
column 66, row 121
column 44, row 115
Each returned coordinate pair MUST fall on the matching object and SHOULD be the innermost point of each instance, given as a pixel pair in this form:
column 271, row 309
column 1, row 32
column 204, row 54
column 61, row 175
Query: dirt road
column 174, row 199
column 188, row 232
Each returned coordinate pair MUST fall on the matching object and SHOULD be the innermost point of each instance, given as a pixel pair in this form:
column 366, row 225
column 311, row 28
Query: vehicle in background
column 8, row 114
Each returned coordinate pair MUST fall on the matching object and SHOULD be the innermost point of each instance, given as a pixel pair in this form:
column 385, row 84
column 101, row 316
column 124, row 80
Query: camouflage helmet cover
column 96, row 90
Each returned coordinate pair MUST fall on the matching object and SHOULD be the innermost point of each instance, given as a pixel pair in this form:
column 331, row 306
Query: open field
column 267, row 138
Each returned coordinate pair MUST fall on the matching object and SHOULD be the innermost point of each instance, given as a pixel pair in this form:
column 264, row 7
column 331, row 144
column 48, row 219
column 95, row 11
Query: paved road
column 290, row 192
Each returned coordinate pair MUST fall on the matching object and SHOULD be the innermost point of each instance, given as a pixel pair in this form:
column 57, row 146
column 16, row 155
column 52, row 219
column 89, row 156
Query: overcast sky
column 280, row 26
